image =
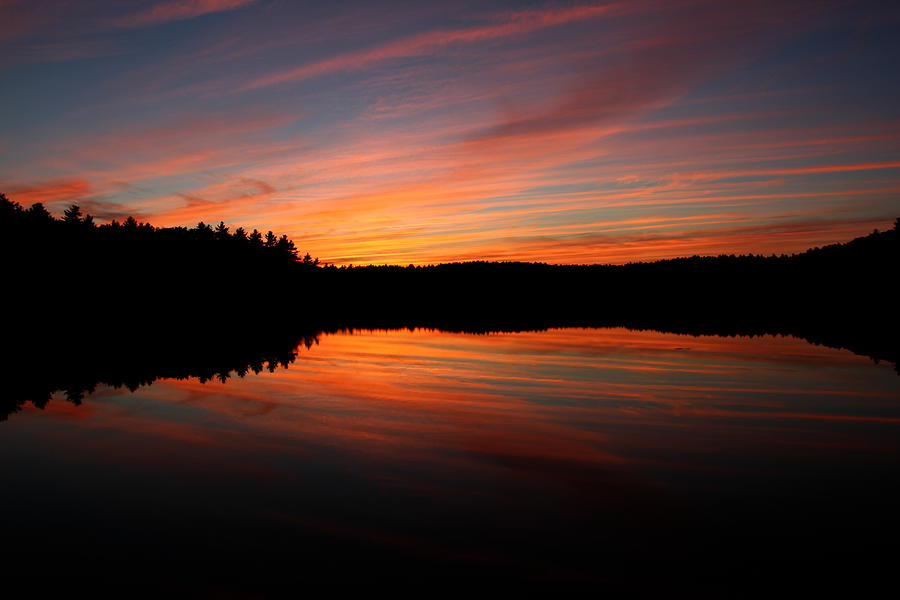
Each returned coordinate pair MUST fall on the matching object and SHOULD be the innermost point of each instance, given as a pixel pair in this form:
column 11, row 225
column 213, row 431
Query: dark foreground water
column 423, row 460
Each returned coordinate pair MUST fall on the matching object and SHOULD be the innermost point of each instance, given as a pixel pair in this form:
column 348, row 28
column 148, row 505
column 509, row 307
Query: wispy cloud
column 568, row 133
column 177, row 10
column 507, row 26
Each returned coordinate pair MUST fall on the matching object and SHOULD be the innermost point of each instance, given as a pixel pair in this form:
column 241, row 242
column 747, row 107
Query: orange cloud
column 52, row 191
column 518, row 141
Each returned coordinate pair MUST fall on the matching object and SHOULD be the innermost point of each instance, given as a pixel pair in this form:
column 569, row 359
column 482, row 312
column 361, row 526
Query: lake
column 564, row 457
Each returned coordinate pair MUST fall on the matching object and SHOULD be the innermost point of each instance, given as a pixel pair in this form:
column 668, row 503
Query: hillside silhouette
column 124, row 303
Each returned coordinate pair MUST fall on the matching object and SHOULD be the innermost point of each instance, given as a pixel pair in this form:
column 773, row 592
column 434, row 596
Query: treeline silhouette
column 130, row 273
column 838, row 295
column 124, row 303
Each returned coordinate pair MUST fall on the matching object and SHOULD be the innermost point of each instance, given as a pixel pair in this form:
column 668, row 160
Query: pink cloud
column 553, row 149
column 424, row 43
column 178, row 10
column 18, row 18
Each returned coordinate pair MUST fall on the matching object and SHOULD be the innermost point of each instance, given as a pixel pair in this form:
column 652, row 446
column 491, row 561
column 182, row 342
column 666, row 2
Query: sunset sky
column 422, row 132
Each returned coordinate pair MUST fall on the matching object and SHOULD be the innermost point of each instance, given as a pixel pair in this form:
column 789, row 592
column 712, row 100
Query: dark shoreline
column 124, row 304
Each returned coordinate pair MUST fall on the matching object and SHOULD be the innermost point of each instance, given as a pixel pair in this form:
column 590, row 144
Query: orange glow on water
column 494, row 450
column 564, row 395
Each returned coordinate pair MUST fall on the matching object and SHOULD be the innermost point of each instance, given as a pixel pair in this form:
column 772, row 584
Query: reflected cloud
column 539, row 452
column 568, row 395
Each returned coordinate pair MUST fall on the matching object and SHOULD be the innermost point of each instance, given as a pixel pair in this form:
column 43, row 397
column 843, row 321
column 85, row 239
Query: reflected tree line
column 145, row 360
column 125, row 303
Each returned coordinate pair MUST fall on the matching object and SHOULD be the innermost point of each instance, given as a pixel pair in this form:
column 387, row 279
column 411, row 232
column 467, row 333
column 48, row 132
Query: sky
column 412, row 132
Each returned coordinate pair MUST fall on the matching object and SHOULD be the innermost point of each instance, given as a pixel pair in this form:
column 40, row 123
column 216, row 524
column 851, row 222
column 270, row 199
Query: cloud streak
column 421, row 44
column 567, row 133
column 177, row 10
column 67, row 190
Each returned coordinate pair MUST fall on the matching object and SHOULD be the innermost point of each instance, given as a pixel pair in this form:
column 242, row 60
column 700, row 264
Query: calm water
column 565, row 456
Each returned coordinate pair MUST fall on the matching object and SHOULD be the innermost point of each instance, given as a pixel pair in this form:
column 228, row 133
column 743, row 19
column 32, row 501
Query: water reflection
column 567, row 455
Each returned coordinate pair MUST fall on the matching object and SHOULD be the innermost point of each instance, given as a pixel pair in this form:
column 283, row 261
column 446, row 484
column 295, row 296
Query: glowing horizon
column 372, row 133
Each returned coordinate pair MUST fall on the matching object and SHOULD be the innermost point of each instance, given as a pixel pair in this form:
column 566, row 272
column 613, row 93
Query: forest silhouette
column 125, row 303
